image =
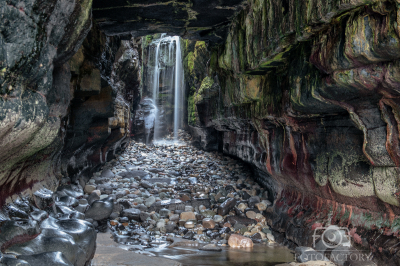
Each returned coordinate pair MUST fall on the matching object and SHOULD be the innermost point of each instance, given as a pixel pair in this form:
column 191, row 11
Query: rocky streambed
column 173, row 200
column 166, row 199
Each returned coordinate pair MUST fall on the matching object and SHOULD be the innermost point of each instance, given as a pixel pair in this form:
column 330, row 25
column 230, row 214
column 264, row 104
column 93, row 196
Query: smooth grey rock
column 11, row 261
column 39, row 216
column 71, row 190
column 164, row 212
column 83, row 201
column 43, row 198
column 305, row 254
column 149, row 201
column 218, row 218
column 137, row 174
column 170, row 227
column 144, row 216
column 253, row 200
column 77, row 215
column 51, row 240
column 132, row 214
column 238, row 219
column 46, row 259
column 210, row 247
column 100, row 209
column 114, row 215
column 192, row 180
column 82, row 208
column 11, row 229
column 67, row 201
column 107, row 173
column 142, row 207
column 146, row 184
column 82, row 231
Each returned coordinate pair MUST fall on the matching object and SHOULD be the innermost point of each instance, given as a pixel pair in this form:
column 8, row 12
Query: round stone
column 90, row 188
column 189, row 224
column 218, row 218
column 208, row 223
column 251, row 214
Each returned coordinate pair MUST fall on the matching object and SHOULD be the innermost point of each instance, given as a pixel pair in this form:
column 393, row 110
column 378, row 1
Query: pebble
column 189, row 209
column 189, row 224
column 208, row 223
column 251, row 215
column 261, row 206
column 165, row 212
column 270, row 237
column 242, row 206
column 90, row 188
column 149, row 201
column 188, row 216
column 98, row 192
column 218, row 218
column 174, row 217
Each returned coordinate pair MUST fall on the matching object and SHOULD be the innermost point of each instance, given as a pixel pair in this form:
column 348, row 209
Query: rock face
column 61, row 116
column 36, row 40
column 314, row 112
column 105, row 78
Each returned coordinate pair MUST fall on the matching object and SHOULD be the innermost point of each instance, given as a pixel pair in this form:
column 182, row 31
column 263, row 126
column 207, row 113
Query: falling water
column 151, row 118
column 178, row 86
column 164, row 55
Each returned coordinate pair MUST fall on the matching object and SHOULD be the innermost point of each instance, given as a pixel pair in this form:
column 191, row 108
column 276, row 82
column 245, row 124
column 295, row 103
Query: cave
column 301, row 93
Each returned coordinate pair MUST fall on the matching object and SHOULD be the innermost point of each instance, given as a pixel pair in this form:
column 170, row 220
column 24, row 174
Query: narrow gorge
column 253, row 132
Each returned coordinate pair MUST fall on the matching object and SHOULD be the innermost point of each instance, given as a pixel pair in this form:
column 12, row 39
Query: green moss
column 190, row 61
column 200, row 44
column 146, row 40
column 205, row 87
column 191, row 111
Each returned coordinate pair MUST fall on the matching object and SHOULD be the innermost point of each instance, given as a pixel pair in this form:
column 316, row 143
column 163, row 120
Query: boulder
column 100, row 209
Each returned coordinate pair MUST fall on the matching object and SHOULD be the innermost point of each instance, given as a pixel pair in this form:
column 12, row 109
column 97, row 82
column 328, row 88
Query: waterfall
column 156, row 85
column 178, row 87
column 168, row 75
column 151, row 117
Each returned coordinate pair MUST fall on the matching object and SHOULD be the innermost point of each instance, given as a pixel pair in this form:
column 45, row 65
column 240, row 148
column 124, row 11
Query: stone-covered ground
column 176, row 191
column 175, row 195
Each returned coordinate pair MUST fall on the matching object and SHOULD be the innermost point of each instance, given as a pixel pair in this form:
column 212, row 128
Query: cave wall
column 307, row 93
column 66, row 97
column 106, row 86
column 36, row 39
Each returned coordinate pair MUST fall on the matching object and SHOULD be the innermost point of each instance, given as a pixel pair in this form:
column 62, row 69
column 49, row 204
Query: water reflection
column 258, row 255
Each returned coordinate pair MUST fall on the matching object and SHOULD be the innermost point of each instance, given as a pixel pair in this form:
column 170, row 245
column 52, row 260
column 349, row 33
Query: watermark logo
column 333, row 243
column 331, row 237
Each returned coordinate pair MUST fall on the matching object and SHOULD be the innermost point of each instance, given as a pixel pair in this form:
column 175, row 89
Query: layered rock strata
column 307, row 94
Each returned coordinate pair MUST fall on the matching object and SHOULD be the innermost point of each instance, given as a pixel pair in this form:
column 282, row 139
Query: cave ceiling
column 196, row 19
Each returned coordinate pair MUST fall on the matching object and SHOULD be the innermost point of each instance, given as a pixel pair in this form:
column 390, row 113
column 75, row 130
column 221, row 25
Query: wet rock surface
column 47, row 229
